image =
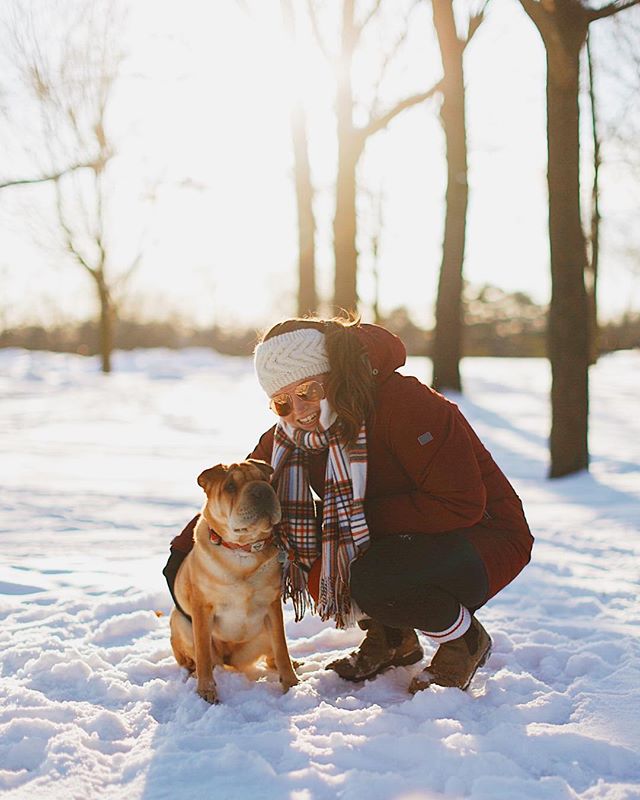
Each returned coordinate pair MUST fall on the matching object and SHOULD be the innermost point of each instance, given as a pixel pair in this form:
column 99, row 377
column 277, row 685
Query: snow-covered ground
column 98, row 473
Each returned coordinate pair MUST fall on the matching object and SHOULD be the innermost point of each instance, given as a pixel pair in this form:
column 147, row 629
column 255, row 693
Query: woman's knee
column 378, row 594
column 397, row 604
column 367, row 580
column 360, row 585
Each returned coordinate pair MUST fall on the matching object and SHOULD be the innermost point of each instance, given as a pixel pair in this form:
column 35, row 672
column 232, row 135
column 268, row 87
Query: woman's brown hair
column 350, row 388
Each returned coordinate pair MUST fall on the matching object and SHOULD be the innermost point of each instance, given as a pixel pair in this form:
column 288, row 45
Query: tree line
column 496, row 324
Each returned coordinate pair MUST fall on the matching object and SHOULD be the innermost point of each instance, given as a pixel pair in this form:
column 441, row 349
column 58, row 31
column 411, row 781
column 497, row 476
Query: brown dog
column 229, row 584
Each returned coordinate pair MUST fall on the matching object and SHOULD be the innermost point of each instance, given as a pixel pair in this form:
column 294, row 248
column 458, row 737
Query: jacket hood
column 385, row 350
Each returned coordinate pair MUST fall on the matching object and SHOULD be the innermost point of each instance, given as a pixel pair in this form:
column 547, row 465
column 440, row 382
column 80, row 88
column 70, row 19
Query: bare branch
column 43, row 178
column 119, row 283
column 99, row 219
column 610, row 9
column 382, row 121
column 475, row 21
column 389, row 56
column 315, row 27
column 68, row 234
column 372, row 12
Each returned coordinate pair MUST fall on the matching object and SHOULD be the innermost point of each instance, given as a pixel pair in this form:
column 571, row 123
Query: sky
column 202, row 184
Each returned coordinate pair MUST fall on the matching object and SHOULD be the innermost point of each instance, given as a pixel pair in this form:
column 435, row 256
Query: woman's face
column 305, row 412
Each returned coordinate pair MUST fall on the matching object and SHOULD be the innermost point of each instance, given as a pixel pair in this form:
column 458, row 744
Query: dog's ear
column 265, row 468
column 210, row 476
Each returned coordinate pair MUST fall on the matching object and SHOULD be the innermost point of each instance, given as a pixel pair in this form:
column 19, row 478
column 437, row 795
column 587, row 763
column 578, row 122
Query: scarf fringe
column 294, row 587
column 345, row 533
column 334, row 603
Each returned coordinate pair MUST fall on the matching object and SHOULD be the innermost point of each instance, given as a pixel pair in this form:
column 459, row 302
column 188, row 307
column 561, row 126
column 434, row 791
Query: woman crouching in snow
column 417, row 527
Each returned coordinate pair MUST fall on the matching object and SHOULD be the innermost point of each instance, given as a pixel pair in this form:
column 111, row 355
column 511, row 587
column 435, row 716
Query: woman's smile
column 309, row 421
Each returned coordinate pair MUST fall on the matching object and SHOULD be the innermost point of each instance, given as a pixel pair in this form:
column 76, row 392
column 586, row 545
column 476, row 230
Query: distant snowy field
column 98, row 473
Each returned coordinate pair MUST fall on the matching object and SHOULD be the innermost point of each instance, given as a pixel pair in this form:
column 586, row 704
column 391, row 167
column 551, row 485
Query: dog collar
column 254, row 547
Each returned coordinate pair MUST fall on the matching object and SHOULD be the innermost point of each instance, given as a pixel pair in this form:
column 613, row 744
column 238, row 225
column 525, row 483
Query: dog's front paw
column 288, row 681
column 208, row 693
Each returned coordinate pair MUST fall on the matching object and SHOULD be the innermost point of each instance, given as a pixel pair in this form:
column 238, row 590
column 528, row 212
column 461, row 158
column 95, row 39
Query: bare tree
column 68, row 57
column 377, row 213
column 307, row 297
column 447, row 342
column 563, row 26
column 374, row 222
column 593, row 263
column 613, row 72
column 351, row 142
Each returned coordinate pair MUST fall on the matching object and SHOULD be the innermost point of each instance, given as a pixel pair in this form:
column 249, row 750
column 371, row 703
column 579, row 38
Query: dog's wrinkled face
column 241, row 505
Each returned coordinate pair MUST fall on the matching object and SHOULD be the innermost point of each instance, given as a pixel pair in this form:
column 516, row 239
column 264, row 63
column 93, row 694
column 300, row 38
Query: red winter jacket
column 427, row 471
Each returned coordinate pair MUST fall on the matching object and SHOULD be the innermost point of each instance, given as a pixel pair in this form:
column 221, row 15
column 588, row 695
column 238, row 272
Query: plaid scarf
column 344, row 526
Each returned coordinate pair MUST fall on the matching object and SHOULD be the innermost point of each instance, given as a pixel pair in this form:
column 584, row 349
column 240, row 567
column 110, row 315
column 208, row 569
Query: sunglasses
column 311, row 391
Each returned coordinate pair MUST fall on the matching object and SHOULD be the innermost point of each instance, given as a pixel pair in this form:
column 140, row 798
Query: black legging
column 419, row 580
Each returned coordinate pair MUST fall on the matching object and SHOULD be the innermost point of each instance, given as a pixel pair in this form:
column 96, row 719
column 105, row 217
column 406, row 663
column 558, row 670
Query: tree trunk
column 344, row 232
column 351, row 141
column 594, row 259
column 307, row 299
column 107, row 318
column 375, row 253
column 568, row 332
column 447, row 344
column 564, row 26
column 345, row 295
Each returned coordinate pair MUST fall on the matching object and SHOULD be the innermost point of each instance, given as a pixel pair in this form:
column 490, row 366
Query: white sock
column 455, row 631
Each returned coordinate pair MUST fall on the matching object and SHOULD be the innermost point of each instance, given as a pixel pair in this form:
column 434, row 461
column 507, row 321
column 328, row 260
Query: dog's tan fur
column 232, row 596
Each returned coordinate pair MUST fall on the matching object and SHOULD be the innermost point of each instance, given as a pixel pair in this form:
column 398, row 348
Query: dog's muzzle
column 258, row 501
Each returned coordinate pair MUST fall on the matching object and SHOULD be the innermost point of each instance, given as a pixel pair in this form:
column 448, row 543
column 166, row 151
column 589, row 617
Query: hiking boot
column 455, row 663
column 381, row 648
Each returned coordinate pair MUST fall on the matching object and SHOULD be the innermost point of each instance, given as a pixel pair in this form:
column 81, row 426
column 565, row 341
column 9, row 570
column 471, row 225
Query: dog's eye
column 230, row 486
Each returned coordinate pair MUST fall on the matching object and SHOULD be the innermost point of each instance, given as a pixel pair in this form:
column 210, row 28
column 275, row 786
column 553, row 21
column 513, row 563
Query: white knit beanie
column 290, row 357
